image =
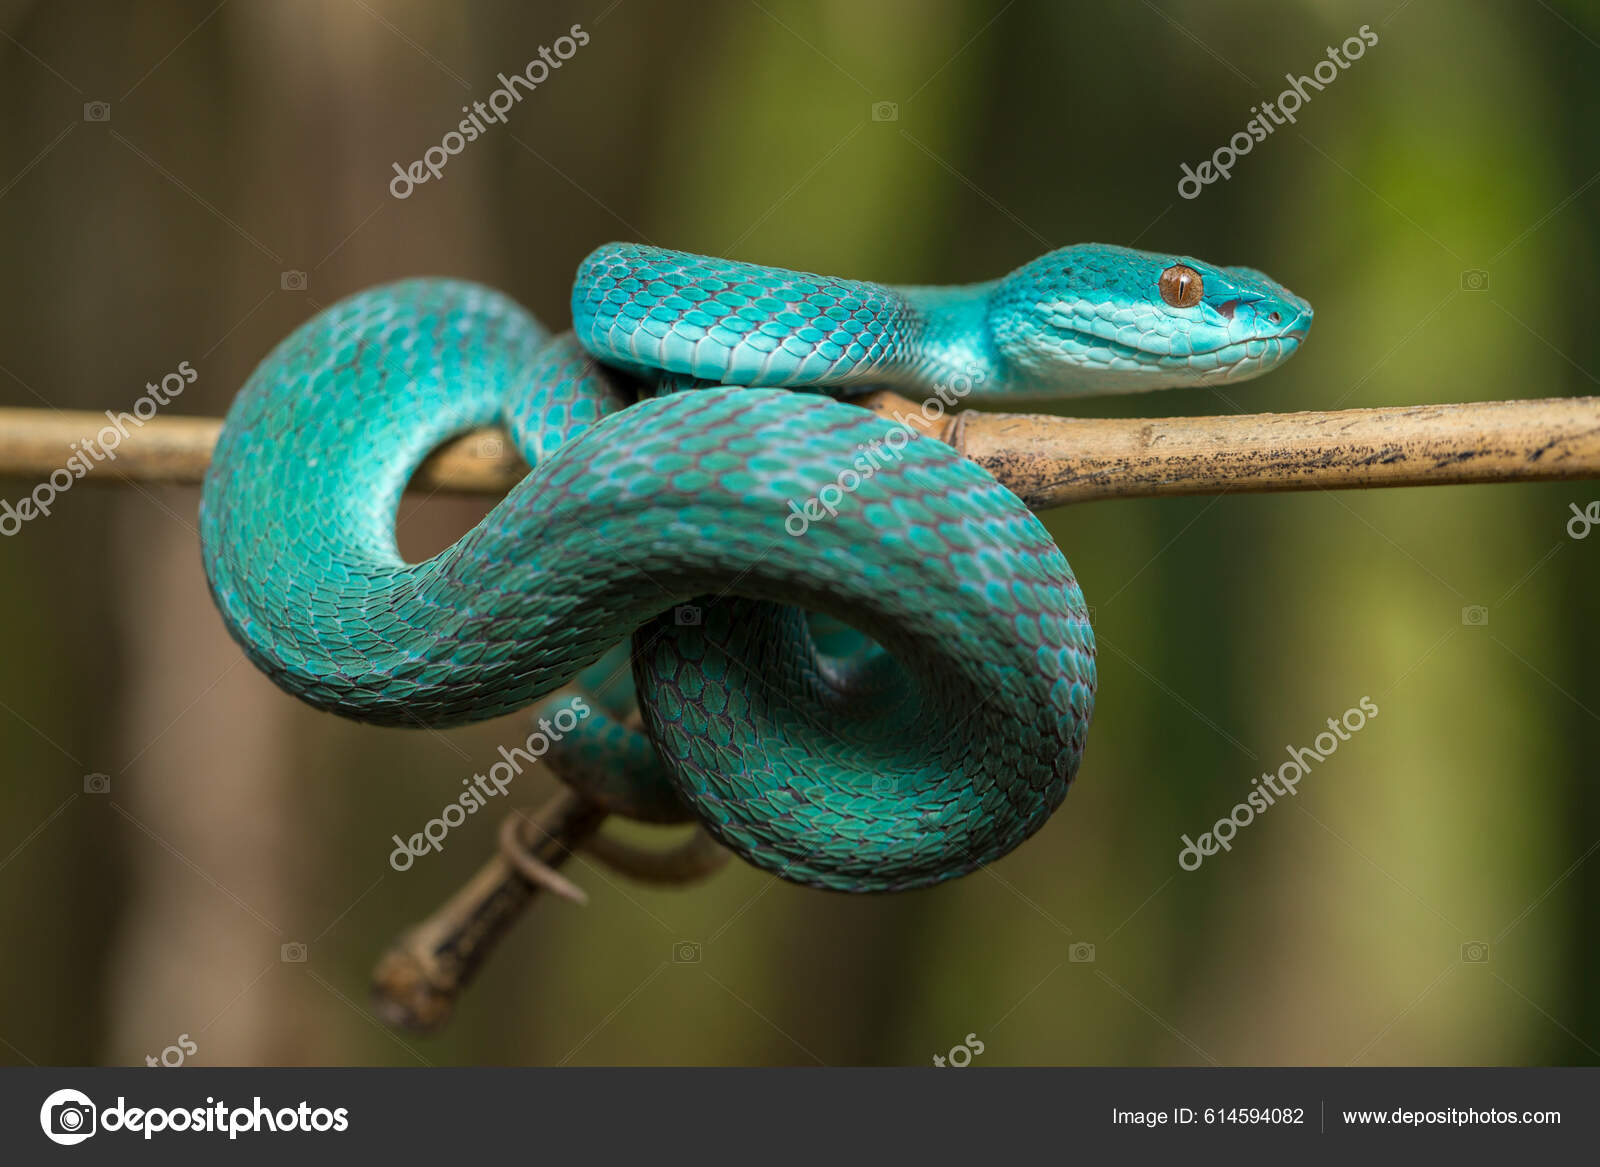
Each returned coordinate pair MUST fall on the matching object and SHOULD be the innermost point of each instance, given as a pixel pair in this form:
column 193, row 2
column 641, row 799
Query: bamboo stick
column 1052, row 461
column 1047, row 461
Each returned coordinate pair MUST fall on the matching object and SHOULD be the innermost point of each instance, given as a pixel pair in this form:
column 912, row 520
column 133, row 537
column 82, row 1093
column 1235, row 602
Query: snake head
column 1096, row 319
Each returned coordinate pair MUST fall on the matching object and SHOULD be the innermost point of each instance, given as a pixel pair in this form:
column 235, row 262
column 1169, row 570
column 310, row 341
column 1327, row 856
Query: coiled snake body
column 861, row 662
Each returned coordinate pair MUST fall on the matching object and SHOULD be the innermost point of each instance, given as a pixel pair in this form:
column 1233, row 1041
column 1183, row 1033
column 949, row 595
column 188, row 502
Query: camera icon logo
column 1474, row 280
column 686, row 616
column 97, row 783
column 885, row 111
column 292, row 953
column 885, row 785
column 686, row 952
column 67, row 1117
column 97, row 111
column 1081, row 953
column 1475, row 616
column 292, row 281
column 489, row 447
column 1475, row 952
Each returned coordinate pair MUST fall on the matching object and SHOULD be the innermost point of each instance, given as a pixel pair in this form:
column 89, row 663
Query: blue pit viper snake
column 885, row 694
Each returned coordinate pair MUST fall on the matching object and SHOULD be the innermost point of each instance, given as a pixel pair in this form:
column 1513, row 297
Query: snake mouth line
column 1279, row 349
column 1285, row 342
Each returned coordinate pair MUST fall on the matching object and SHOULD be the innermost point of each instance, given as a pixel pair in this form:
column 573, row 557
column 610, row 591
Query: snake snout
column 1287, row 321
column 1300, row 323
column 1278, row 312
column 1284, row 317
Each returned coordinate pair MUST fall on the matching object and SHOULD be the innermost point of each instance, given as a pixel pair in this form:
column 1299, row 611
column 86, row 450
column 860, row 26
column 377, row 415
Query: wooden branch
column 35, row 442
column 1047, row 461
column 417, row 982
column 1051, row 461
column 419, row 979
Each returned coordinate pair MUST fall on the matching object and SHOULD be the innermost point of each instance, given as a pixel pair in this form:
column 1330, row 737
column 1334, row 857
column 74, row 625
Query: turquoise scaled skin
column 890, row 696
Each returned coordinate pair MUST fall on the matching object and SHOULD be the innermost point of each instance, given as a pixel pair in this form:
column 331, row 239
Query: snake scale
column 888, row 695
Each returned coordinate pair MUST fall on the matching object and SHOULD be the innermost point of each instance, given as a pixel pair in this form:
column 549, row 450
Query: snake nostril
column 1276, row 318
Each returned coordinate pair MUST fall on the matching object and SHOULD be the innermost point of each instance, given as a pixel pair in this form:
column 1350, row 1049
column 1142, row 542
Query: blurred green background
column 257, row 136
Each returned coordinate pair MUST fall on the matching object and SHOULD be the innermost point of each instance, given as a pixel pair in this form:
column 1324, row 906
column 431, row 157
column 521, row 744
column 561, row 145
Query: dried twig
column 1048, row 461
column 417, row 981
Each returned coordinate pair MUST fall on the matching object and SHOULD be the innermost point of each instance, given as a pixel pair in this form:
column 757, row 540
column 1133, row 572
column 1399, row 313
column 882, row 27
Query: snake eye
column 1180, row 286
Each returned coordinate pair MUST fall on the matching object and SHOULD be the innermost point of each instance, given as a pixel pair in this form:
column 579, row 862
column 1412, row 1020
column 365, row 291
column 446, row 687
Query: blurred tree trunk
column 231, row 784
